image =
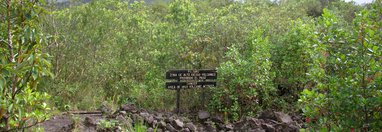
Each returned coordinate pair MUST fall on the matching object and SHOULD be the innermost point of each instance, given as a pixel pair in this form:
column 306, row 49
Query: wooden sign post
column 187, row 79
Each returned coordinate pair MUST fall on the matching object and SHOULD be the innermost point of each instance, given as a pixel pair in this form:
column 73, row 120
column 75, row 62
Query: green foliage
column 127, row 55
column 268, row 55
column 348, row 77
column 292, row 59
column 22, row 65
column 107, row 125
column 246, row 78
column 182, row 11
column 140, row 127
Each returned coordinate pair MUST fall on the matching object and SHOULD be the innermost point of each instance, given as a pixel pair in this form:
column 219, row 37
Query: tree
column 22, row 64
column 347, row 73
column 246, row 78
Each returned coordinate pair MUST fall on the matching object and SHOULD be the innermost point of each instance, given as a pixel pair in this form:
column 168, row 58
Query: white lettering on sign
column 173, row 75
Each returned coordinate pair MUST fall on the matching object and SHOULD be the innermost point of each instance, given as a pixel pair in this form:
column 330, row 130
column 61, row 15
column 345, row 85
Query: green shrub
column 348, row 93
column 292, row 60
column 245, row 78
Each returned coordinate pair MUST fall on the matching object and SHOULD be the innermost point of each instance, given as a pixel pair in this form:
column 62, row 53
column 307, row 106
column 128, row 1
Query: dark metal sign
column 187, row 79
column 191, row 79
column 191, row 74
column 187, row 85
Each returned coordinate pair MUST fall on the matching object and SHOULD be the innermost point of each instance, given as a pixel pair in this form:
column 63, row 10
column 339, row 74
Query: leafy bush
column 245, row 78
column 348, row 82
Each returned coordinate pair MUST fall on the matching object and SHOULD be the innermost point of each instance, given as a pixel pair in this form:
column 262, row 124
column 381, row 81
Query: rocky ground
column 128, row 116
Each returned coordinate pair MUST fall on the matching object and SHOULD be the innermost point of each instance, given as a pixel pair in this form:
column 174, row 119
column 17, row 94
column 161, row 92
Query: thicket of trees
column 321, row 58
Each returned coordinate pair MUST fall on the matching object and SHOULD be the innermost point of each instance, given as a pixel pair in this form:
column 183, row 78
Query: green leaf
column 371, row 33
column 375, row 48
column 2, row 82
column 34, row 74
column 10, row 107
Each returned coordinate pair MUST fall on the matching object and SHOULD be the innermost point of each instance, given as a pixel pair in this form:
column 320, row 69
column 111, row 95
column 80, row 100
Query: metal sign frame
column 187, row 79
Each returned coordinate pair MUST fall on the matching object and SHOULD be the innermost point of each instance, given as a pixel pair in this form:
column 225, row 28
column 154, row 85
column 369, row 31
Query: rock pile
column 128, row 116
column 156, row 121
column 267, row 121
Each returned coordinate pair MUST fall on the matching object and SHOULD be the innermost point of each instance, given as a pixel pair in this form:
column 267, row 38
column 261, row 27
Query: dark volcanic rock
column 177, row 124
column 255, row 123
column 210, row 128
column 268, row 121
column 203, row 115
column 150, row 130
column 191, row 127
column 155, row 123
column 58, row 124
column 282, row 117
column 284, row 127
column 159, row 130
column 149, row 119
column 229, row 127
column 220, row 126
column 258, row 130
column 143, row 110
column 129, row 108
column 122, row 112
column 217, row 119
column 297, row 118
column 267, row 115
column 162, row 124
column 185, row 130
column 268, row 128
column 137, row 118
column 158, row 117
column 169, row 119
column 170, row 128
column 90, row 121
column 144, row 114
column 239, row 125
column 294, row 128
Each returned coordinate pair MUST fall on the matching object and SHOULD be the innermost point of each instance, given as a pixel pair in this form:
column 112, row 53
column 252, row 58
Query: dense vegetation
column 319, row 58
column 23, row 64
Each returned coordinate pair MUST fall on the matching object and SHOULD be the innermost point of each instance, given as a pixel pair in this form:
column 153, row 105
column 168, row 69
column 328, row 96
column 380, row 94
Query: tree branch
column 23, row 84
column 10, row 44
column 29, row 126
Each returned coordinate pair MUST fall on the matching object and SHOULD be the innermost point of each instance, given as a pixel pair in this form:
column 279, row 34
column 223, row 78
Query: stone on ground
column 203, row 115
